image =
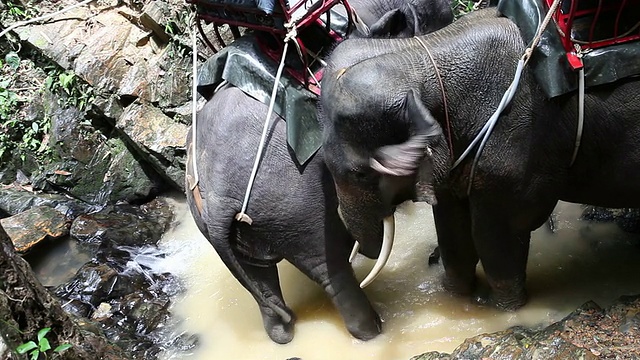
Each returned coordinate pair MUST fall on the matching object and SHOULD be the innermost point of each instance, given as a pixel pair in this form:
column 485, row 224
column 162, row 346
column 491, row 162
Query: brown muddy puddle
column 577, row 263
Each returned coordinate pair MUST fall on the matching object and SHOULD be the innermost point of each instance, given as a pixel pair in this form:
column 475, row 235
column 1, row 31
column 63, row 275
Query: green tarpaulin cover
column 550, row 65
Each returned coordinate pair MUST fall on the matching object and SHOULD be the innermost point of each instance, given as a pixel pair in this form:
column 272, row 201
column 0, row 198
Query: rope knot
column 242, row 217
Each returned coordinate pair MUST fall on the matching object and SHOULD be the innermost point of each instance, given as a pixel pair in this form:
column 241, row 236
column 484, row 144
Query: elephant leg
column 342, row 287
column 502, row 233
column 504, row 259
column 267, row 281
column 360, row 318
column 455, row 243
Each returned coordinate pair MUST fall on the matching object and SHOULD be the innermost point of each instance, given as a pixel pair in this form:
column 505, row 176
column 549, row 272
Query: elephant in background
column 401, row 18
column 388, row 139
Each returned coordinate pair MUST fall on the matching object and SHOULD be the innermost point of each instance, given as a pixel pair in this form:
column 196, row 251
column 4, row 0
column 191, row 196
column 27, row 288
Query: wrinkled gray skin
column 293, row 210
column 386, row 141
column 402, row 18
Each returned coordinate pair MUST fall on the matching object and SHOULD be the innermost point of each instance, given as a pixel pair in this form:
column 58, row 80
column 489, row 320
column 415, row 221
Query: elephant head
column 391, row 160
column 402, row 18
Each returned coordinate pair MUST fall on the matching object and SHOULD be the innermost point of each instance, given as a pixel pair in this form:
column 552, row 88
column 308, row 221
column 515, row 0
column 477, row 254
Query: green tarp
column 243, row 65
column 550, row 65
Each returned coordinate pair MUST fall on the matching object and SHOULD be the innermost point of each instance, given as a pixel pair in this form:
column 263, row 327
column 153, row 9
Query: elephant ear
column 405, row 159
column 390, row 24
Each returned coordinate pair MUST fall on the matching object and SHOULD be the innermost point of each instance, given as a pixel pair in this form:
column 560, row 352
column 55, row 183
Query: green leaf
column 35, row 126
column 62, row 348
column 13, row 60
column 66, row 79
column 48, row 82
column 44, row 345
column 24, row 348
column 42, row 333
column 34, row 354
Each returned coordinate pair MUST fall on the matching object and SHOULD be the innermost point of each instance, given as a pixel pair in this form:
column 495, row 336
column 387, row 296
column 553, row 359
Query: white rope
column 194, row 105
column 43, row 17
column 486, row 130
column 580, row 115
column 242, row 216
column 541, row 29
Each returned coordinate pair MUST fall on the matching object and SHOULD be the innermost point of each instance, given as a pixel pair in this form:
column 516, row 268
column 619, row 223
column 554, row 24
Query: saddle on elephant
column 601, row 37
column 299, row 21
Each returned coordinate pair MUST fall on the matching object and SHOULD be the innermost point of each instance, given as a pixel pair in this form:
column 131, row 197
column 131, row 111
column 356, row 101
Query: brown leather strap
column 191, row 186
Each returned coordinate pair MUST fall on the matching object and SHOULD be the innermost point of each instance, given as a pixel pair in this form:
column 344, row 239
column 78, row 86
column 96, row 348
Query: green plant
column 461, row 7
column 19, row 11
column 76, row 93
column 35, row 349
column 8, row 103
column 17, row 134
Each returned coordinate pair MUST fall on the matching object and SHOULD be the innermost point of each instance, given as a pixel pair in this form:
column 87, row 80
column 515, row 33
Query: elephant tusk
column 389, row 229
column 354, row 252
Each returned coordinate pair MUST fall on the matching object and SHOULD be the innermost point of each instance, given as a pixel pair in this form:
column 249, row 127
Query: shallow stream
column 581, row 261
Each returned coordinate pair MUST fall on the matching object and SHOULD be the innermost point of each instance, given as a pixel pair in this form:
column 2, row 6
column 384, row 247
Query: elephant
column 293, row 208
column 401, row 18
column 397, row 113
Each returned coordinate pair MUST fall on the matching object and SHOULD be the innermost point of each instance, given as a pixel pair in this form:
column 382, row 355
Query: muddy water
column 581, row 261
column 58, row 262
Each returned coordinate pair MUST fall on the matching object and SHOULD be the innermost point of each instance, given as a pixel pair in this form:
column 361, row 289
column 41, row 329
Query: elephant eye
column 362, row 174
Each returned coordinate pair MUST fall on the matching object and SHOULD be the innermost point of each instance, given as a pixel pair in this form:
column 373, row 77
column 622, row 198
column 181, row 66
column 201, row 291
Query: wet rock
column 124, row 225
column 154, row 15
column 515, row 343
column 590, row 332
column 128, row 302
column 144, row 310
column 28, row 228
column 94, row 169
column 610, row 334
column 77, row 308
column 91, row 284
column 103, row 311
column 16, row 199
column 159, row 138
column 628, row 219
column 70, row 135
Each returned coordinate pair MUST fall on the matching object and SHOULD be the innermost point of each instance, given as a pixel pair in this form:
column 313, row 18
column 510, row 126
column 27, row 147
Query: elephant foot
column 434, row 257
column 458, row 285
column 502, row 299
column 279, row 331
column 367, row 328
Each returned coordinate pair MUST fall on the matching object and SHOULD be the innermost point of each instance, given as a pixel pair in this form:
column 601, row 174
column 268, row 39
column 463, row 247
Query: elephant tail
column 220, row 237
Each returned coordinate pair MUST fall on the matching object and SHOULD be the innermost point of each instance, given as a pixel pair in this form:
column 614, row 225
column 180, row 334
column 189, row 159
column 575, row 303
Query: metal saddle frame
column 591, row 24
column 303, row 17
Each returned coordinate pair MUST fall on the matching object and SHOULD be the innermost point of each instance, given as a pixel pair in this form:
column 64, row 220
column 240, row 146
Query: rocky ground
column 590, row 332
